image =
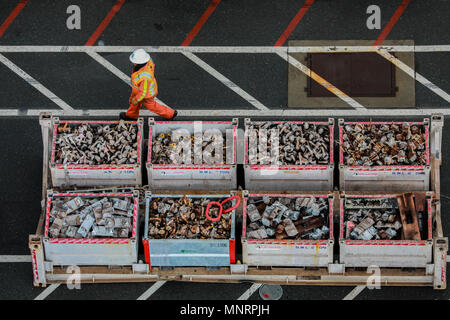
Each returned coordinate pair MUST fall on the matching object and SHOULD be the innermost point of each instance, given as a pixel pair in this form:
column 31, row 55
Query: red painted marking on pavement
column 105, row 23
column 12, row 16
column 391, row 22
column 293, row 23
column 200, row 23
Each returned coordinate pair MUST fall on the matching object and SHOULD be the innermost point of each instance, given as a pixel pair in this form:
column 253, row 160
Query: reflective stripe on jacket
column 144, row 83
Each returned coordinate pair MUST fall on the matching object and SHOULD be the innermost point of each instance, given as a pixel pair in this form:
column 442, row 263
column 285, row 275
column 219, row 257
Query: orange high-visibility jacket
column 144, row 83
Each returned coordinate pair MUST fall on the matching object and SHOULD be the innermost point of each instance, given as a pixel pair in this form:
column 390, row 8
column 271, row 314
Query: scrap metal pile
column 299, row 144
column 287, row 218
column 372, row 219
column 184, row 218
column 91, row 218
column 384, row 144
column 96, row 144
column 165, row 149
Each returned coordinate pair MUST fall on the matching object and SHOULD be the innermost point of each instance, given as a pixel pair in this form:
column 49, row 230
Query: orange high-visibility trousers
column 153, row 106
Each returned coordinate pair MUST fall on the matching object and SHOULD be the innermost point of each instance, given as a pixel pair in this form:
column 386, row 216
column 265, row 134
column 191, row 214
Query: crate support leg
column 440, row 263
column 37, row 260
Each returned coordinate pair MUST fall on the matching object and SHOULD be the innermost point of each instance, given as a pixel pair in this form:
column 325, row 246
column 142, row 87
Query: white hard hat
column 139, row 56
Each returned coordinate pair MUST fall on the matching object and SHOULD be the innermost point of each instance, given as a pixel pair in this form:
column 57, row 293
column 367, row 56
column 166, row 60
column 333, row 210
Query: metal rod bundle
column 288, row 143
column 372, row 219
column 287, row 218
column 384, row 144
column 168, row 148
column 96, row 144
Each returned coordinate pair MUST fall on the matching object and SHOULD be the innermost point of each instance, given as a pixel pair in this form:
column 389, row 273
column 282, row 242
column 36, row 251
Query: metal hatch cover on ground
column 370, row 81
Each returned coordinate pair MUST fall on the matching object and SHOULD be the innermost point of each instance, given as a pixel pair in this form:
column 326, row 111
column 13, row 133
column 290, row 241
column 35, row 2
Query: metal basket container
column 385, row 253
column 384, row 178
column 290, row 253
column 189, row 252
column 93, row 251
column 65, row 175
column 192, row 176
column 289, row 177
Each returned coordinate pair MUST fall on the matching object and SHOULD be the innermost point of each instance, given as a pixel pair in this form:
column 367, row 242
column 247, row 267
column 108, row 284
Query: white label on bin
column 78, row 173
column 268, row 247
column 218, row 245
column 214, row 171
column 365, row 173
column 118, row 172
column 172, row 173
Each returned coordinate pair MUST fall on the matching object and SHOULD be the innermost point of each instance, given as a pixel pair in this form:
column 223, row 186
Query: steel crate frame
column 189, row 252
column 384, row 178
column 289, row 177
column 191, row 176
column 434, row 275
column 96, row 251
column 385, row 253
column 64, row 175
column 288, row 253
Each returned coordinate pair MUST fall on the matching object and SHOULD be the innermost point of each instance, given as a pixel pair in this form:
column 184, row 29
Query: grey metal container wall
column 289, row 177
column 97, row 251
column 384, row 178
column 385, row 253
column 189, row 252
column 65, row 175
column 288, row 253
column 192, row 176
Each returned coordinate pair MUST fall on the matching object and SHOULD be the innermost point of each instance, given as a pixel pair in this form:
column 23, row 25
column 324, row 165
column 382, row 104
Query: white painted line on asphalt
column 15, row 258
column 294, row 113
column 33, row 82
column 352, row 295
column 108, row 65
column 408, row 70
column 225, row 81
column 44, row 294
column 247, row 294
column 297, row 64
column 226, row 49
column 151, row 290
column 448, row 258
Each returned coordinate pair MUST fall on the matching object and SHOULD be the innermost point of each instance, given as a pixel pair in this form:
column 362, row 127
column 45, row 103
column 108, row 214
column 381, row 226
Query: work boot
column 123, row 116
column 174, row 115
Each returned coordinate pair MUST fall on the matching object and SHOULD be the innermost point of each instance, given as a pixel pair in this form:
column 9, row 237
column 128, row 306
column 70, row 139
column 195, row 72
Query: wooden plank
column 408, row 215
column 401, row 209
column 419, row 201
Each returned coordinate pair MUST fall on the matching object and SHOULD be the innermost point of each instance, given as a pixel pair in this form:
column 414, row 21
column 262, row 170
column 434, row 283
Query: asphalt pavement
column 84, row 84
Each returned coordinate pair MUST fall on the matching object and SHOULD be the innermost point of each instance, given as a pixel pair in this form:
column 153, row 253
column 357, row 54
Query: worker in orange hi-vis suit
column 144, row 88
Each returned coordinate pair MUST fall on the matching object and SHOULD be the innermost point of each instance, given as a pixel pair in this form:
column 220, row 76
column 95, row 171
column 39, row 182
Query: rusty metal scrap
column 298, row 143
column 184, row 218
column 164, row 149
column 372, row 219
column 95, row 144
column 287, row 218
column 91, row 218
column 384, row 144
